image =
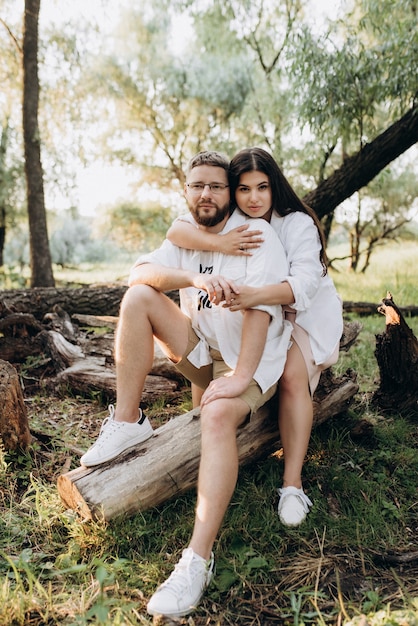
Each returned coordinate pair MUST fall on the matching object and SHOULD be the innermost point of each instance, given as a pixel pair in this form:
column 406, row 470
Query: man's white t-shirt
column 217, row 326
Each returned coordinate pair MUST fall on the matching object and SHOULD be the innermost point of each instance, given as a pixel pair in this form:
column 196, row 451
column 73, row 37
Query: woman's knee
column 294, row 378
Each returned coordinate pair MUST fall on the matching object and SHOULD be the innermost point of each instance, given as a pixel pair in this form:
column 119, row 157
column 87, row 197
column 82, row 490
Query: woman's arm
column 238, row 241
column 247, row 297
column 253, row 339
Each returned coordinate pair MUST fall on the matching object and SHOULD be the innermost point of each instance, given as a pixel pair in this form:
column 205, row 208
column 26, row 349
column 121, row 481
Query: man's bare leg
column 182, row 591
column 145, row 313
column 218, row 469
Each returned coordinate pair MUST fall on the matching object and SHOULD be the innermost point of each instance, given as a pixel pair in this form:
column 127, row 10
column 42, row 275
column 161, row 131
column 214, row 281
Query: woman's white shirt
column 317, row 304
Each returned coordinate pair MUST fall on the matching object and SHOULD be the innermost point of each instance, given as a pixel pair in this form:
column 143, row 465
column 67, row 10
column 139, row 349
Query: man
column 236, row 358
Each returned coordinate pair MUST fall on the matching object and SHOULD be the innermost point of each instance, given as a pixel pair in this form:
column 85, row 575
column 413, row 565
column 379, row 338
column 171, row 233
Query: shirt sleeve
column 300, row 238
column 268, row 264
column 167, row 254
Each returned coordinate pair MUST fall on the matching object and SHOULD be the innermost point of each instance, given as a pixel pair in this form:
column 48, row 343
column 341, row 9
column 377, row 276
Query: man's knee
column 138, row 297
column 219, row 417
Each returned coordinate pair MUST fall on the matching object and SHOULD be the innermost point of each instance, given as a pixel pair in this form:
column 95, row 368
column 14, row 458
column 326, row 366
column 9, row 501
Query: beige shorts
column 203, row 375
column 301, row 337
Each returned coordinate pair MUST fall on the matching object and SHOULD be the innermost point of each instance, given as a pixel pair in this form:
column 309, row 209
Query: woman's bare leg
column 295, row 416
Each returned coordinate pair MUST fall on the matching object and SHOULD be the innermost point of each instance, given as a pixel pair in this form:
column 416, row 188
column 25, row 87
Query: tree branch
column 358, row 170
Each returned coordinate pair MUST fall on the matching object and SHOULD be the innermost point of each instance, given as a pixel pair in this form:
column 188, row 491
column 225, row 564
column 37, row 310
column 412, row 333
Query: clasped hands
column 224, row 290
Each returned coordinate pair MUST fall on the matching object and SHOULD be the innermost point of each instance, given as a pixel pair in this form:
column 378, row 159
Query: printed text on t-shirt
column 203, row 296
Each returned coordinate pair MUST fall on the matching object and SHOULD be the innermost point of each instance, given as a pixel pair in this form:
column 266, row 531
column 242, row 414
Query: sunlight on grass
column 393, row 268
column 90, row 274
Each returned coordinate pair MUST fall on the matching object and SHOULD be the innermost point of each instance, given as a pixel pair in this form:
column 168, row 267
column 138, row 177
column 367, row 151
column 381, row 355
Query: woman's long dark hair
column 284, row 198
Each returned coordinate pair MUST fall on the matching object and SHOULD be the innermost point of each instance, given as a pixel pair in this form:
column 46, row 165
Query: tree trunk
column 4, row 143
column 397, row 356
column 14, row 427
column 166, row 465
column 86, row 300
column 40, row 256
column 358, row 170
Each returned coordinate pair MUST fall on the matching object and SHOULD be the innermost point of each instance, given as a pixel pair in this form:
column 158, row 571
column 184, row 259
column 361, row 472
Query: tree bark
column 4, row 175
column 14, row 427
column 40, row 256
column 358, row 170
column 104, row 300
column 397, row 356
column 166, row 465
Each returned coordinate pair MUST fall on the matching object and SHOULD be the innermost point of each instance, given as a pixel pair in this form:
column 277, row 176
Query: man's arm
column 164, row 278
column 253, row 339
column 160, row 277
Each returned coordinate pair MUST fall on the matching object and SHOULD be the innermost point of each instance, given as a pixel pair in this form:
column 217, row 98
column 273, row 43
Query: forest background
column 127, row 95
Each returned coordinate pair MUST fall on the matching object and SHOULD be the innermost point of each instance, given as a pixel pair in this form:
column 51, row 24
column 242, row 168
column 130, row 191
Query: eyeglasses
column 197, row 188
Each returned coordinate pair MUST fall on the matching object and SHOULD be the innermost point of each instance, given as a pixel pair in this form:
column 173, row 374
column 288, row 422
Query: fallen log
column 85, row 370
column 104, row 300
column 93, row 300
column 163, row 467
column 369, row 308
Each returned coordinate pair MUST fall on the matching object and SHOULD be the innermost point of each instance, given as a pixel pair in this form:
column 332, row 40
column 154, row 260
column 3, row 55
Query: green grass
column 394, row 268
column 58, row 569
column 342, row 566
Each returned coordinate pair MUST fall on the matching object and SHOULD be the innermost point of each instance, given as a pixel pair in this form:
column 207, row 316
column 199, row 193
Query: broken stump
column 397, row 357
column 14, row 427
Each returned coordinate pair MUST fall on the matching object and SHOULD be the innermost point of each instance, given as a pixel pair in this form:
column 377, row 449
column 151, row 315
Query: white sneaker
column 115, row 437
column 293, row 506
column 183, row 589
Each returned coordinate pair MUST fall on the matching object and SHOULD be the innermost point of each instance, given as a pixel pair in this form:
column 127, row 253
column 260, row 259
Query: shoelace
column 116, row 425
column 182, row 576
column 107, row 419
column 104, row 425
column 298, row 493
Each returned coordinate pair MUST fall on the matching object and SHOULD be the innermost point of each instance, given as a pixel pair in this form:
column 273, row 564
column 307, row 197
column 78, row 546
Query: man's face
column 209, row 207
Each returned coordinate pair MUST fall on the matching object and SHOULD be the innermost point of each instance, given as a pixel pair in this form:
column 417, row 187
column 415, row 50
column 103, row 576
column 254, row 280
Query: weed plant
column 353, row 562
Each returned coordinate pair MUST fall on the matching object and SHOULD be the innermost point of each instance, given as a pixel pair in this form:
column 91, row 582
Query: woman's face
column 253, row 195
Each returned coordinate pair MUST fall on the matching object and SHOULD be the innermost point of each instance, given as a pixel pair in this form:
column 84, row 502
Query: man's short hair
column 208, row 157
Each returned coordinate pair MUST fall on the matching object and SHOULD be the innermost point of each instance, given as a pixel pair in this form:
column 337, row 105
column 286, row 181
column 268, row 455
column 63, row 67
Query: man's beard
column 211, row 220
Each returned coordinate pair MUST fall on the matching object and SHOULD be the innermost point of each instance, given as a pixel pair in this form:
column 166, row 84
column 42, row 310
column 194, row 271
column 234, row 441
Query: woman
column 308, row 297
